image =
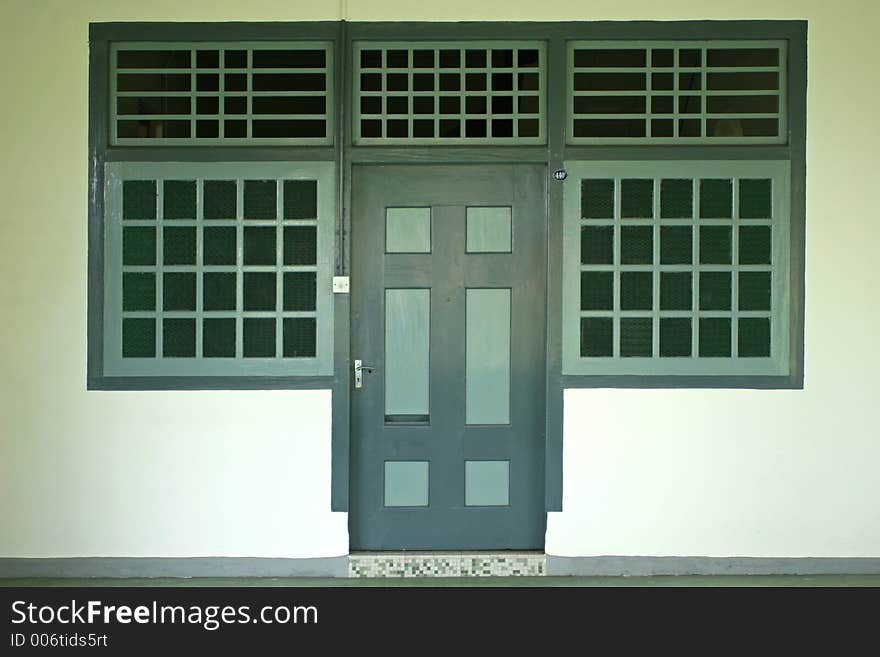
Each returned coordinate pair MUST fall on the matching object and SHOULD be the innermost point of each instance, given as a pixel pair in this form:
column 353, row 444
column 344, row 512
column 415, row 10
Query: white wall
column 782, row 473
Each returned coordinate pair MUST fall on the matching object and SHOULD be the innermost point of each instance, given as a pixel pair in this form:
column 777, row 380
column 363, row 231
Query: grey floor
column 680, row 580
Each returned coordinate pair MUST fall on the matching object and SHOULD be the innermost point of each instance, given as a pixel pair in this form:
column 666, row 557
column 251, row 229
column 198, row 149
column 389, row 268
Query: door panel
column 448, row 308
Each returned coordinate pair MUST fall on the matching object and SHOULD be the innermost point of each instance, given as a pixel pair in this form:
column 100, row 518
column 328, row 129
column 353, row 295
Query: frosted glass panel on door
column 408, row 230
column 487, row 483
column 488, row 230
column 488, row 356
column 407, row 344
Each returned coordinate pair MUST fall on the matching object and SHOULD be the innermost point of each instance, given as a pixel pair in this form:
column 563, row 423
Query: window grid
column 320, row 132
column 606, row 285
column 298, row 248
column 616, row 312
column 528, row 127
column 641, row 128
column 160, row 270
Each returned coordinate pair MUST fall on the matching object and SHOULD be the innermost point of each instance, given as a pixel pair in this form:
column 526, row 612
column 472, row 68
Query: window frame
column 553, row 154
column 775, row 365
column 161, row 366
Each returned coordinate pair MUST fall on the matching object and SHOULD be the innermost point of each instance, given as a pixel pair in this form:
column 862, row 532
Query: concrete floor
column 660, row 581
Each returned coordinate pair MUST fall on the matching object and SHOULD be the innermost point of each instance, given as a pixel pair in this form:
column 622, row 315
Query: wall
column 717, row 473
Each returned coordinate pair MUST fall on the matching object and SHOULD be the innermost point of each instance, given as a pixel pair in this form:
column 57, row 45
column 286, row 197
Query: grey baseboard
column 173, row 567
column 646, row 566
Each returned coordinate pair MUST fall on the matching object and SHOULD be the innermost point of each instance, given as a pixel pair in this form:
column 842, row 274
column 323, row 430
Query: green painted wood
column 446, row 441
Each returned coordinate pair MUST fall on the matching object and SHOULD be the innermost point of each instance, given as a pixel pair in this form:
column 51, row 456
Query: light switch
column 340, row 285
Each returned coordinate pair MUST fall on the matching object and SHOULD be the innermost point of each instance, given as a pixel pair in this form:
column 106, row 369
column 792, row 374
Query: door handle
column 359, row 369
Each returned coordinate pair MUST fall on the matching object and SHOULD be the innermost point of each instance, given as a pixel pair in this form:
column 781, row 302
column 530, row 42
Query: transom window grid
column 285, row 330
column 688, row 92
column 231, row 93
column 449, row 92
column 624, row 357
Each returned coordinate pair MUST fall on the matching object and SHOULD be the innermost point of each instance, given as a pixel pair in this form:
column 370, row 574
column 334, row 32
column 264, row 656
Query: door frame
column 532, row 230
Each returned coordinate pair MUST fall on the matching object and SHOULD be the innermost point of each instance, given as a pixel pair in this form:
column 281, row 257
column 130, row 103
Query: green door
column 448, row 325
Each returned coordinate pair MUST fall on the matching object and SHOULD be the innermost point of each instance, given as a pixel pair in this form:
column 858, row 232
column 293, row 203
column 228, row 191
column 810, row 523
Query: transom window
column 669, row 91
column 447, row 92
column 179, row 93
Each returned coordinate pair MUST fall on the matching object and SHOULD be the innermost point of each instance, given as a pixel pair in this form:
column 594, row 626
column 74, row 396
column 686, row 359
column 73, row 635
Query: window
column 449, row 92
column 216, row 269
column 676, row 268
column 687, row 92
column 233, row 92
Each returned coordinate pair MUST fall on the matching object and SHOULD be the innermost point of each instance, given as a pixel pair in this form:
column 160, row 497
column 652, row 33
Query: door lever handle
column 359, row 369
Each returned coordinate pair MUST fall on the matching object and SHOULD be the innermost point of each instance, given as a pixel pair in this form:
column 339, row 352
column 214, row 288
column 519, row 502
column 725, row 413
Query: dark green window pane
column 259, row 337
column 180, row 199
column 300, row 199
column 754, row 245
column 675, row 336
column 218, row 338
column 299, row 337
column 675, row 291
column 259, row 291
column 715, row 245
column 179, row 291
column 676, row 245
column 754, row 337
column 138, row 291
column 715, row 290
column 597, row 337
column 179, row 338
column 259, row 246
column 637, row 245
column 755, row 199
column 637, row 198
column 597, row 245
column 220, row 199
column 260, row 199
column 218, row 291
column 220, row 245
column 636, row 290
column 636, row 336
column 299, row 290
column 754, row 290
column 138, row 337
column 676, row 199
column 716, row 199
column 597, row 290
column 138, row 245
column 597, row 199
column 179, row 246
column 300, row 245
column 139, row 199
column 714, row 337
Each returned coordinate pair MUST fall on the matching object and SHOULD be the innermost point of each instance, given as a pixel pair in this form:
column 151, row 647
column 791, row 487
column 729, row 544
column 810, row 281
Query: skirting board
column 605, row 566
column 174, row 567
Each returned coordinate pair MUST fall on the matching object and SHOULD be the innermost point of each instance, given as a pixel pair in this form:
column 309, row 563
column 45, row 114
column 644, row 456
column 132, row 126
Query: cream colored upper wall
column 236, row 473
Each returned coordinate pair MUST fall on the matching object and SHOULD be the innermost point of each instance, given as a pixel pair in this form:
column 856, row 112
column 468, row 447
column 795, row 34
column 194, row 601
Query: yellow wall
column 783, row 473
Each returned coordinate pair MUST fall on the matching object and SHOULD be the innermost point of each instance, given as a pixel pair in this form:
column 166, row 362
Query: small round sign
column 560, row 174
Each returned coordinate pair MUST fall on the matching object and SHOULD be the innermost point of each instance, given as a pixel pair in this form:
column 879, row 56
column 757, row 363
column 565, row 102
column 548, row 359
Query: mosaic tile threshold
column 447, row 564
